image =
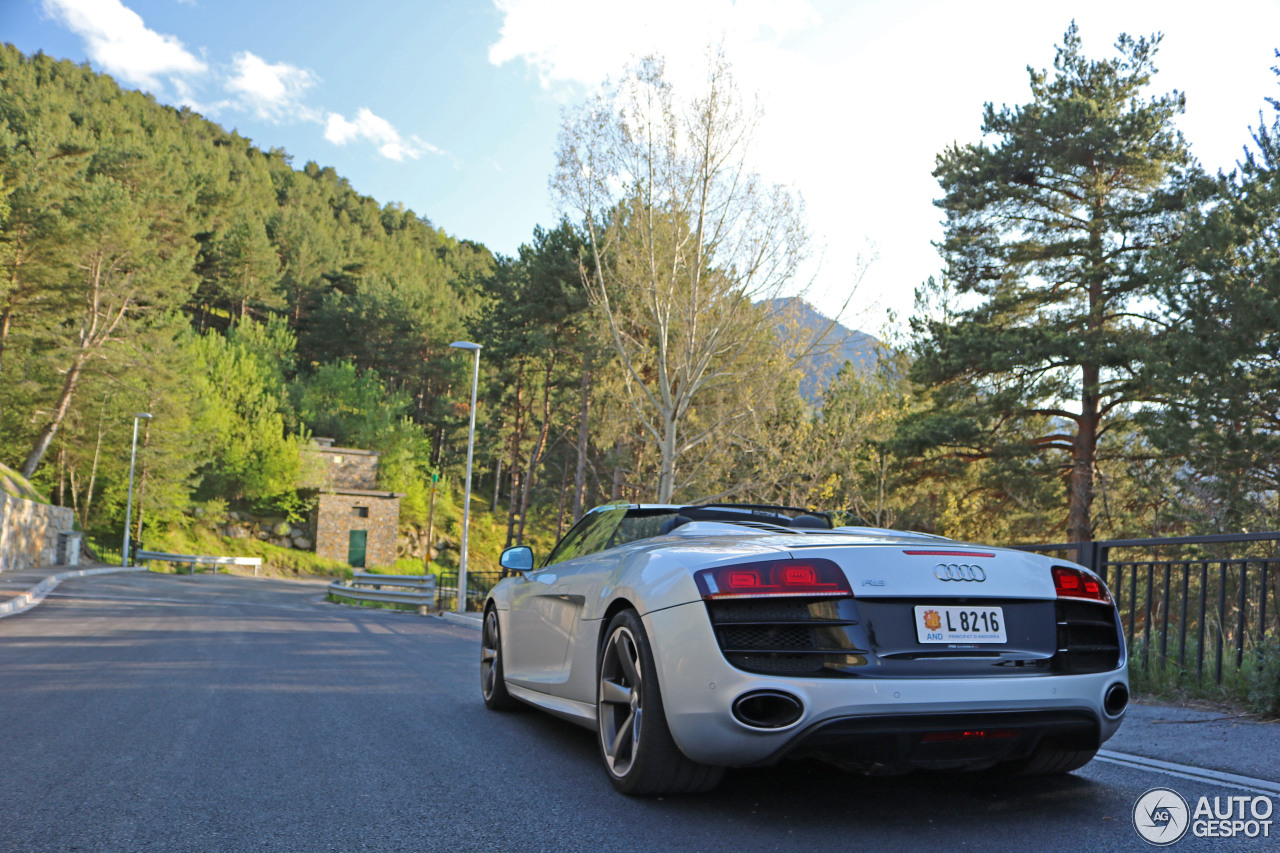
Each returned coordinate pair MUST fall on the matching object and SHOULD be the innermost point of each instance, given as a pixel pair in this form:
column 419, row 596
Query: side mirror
column 517, row 559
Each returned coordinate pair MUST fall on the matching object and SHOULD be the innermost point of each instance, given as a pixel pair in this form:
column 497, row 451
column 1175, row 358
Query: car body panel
column 544, row 616
column 699, row 688
column 888, row 571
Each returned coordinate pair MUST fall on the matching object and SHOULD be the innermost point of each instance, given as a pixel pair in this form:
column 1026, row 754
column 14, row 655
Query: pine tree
column 247, row 265
column 1219, row 366
column 538, row 331
column 1049, row 234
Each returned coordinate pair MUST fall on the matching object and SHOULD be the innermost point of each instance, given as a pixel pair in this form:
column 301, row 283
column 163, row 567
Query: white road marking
column 26, row 600
column 1186, row 771
column 184, row 602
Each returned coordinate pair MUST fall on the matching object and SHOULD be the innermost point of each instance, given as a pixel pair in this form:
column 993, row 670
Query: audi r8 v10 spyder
column 695, row 638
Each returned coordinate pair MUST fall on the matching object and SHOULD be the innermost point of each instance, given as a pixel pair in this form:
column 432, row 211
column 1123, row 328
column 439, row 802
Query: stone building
column 354, row 521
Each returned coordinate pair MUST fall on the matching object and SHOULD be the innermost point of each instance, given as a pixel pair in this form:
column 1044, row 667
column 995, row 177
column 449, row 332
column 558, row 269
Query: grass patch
column 410, row 566
column 99, row 551
column 1252, row 687
column 15, row 485
column 276, row 561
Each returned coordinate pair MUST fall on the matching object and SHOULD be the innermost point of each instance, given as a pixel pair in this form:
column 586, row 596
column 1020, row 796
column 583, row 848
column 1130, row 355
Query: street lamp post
column 466, row 499
column 128, row 506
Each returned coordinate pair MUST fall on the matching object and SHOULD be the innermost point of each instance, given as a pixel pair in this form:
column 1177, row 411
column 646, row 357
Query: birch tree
column 686, row 243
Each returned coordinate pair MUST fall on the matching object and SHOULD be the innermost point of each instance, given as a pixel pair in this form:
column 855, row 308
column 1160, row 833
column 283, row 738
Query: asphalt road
column 219, row 713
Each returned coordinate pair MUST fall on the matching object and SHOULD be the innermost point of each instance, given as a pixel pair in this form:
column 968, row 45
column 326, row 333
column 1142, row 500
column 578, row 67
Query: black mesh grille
column 785, row 636
column 774, row 637
column 1088, row 640
column 778, row 664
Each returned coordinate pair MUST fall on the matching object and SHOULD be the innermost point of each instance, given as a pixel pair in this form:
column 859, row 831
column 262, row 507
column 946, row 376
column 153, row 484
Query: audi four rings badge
column 953, row 572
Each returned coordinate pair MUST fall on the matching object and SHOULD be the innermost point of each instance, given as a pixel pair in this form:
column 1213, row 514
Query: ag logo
column 1161, row 816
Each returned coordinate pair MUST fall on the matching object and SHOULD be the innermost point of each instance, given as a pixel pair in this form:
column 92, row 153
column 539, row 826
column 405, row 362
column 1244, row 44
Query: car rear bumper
column 901, row 742
column 847, row 717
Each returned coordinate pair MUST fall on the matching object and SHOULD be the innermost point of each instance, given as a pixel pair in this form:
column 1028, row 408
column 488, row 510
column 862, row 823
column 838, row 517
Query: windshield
column 589, row 535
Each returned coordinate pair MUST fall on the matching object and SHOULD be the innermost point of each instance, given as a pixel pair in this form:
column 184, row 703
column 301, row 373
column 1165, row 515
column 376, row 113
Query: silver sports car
column 695, row 638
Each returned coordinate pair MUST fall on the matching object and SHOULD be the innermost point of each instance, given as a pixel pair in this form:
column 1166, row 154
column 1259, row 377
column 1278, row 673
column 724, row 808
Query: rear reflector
column 772, row 579
column 1077, row 583
column 971, row 735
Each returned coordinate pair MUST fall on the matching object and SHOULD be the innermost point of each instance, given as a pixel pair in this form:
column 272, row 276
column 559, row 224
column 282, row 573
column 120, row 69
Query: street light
column 128, row 506
column 466, row 499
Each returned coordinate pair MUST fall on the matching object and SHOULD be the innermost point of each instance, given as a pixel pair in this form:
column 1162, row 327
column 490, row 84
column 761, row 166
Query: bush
column 1261, row 677
column 1253, row 686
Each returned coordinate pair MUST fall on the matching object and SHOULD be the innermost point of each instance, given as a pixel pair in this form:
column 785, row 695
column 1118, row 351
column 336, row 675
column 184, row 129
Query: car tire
column 1049, row 759
column 640, row 756
column 493, row 687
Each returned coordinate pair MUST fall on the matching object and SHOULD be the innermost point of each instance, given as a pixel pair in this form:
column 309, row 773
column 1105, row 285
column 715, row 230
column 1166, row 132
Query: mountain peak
column 831, row 343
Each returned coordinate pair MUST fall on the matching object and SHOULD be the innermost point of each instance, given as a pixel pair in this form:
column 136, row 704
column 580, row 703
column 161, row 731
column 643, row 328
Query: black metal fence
column 1189, row 601
column 479, row 582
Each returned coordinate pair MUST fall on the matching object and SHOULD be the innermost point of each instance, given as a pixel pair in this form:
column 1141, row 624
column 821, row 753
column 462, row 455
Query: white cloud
column 859, row 103
column 802, row 100
column 535, row 31
column 374, row 128
column 272, row 91
column 118, row 41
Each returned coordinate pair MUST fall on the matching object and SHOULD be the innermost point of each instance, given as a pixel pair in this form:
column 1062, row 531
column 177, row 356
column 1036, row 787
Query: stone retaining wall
column 29, row 532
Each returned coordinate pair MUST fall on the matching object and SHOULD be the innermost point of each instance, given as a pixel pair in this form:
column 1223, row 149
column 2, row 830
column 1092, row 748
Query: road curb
column 29, row 599
column 470, row 620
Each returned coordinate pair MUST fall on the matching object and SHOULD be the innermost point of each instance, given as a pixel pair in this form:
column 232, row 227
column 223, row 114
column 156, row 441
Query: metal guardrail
column 200, row 560
column 377, row 581
column 419, row 590
column 353, row 593
column 1190, row 600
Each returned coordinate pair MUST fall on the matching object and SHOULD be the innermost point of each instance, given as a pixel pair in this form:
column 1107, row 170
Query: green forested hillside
column 152, row 261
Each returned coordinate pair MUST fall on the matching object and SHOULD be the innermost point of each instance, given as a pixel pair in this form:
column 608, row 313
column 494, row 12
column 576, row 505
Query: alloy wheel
column 620, row 706
column 489, row 654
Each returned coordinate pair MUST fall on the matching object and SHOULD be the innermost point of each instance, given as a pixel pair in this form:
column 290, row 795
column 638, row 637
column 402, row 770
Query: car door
column 546, row 604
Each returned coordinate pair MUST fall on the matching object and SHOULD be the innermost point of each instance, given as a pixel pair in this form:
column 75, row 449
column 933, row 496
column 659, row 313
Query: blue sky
column 452, row 106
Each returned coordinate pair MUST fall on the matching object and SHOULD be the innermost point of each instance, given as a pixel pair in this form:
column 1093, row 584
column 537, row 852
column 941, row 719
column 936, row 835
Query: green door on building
column 355, row 548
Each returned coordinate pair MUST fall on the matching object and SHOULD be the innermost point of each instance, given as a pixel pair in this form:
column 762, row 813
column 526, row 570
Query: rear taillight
column 1077, row 583
column 773, row 579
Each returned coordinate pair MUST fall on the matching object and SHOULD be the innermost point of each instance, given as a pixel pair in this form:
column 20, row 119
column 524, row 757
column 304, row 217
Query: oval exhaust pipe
column 1116, row 700
column 767, row 709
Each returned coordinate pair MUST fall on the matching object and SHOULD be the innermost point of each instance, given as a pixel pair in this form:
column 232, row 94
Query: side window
column 589, row 535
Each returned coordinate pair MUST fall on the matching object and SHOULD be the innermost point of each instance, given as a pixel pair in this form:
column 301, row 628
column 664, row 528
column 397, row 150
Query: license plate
column 960, row 624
